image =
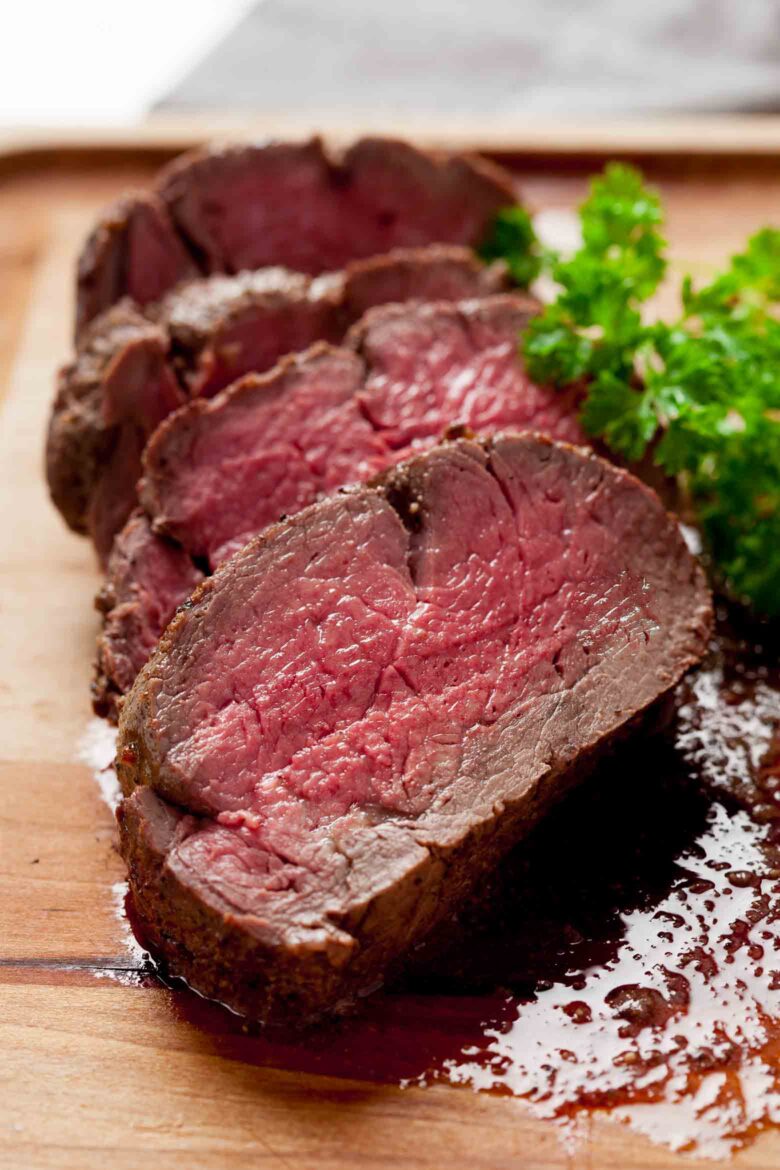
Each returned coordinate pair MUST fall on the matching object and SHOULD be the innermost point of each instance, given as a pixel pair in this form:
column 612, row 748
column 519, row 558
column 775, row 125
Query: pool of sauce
column 626, row 957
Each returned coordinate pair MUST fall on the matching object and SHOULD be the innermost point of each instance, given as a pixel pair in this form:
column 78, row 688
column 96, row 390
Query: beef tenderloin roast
column 360, row 712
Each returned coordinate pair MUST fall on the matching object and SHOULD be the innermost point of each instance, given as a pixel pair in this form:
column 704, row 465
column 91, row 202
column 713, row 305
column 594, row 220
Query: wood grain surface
column 95, row 1072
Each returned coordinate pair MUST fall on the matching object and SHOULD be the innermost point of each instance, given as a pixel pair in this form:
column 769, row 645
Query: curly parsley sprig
column 707, row 393
column 512, row 239
column 595, row 323
column 701, row 392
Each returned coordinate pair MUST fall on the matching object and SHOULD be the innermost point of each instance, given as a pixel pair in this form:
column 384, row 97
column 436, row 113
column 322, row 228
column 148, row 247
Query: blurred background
column 91, row 63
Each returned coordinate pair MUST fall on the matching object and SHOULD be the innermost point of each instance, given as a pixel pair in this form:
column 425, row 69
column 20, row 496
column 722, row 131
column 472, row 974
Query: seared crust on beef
column 611, row 610
column 108, row 401
column 133, row 251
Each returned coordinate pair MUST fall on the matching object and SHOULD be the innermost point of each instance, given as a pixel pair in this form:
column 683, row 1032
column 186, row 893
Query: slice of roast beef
column 231, row 208
column 295, row 204
column 134, row 251
column 363, row 709
column 226, row 326
column 108, row 402
column 219, row 472
column 147, row 579
column 204, row 334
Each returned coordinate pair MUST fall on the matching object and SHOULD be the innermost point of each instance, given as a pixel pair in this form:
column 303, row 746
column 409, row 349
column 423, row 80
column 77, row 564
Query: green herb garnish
column 702, row 393
column 512, row 239
column 595, row 324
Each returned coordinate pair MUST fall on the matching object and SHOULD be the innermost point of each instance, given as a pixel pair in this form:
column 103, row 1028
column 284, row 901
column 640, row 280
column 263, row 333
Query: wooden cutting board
column 95, row 1071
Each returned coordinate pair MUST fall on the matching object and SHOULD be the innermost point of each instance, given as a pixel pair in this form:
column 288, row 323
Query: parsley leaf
column 620, row 414
column 594, row 324
column 512, row 239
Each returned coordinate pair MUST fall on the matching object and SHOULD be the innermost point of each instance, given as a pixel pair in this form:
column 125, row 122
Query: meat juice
column 627, row 956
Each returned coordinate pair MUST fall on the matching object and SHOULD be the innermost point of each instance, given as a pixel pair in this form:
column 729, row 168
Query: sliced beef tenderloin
column 134, row 251
column 222, row 327
column 365, row 707
column 147, row 579
column 226, row 326
column 210, row 331
column 435, row 272
column 433, row 366
column 108, row 402
column 231, row 208
column 218, row 472
column 295, row 204
column 223, row 470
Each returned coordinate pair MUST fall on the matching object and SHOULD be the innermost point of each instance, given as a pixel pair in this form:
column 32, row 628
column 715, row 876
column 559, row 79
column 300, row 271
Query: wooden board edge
column 754, row 136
